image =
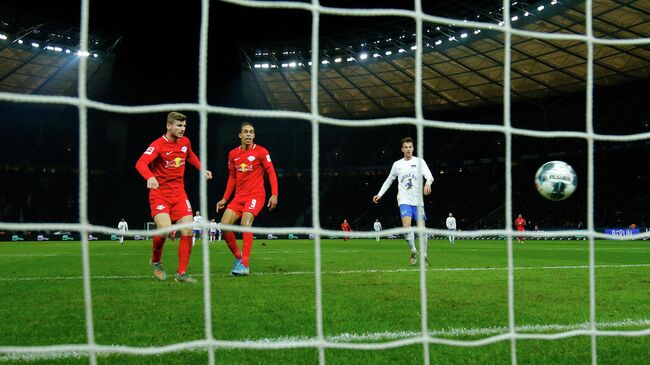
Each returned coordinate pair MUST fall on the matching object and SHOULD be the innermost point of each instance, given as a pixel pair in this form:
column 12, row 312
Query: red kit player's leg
column 247, row 246
column 184, row 251
column 158, row 243
column 232, row 244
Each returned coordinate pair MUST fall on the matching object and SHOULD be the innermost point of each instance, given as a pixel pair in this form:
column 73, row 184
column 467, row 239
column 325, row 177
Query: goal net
column 319, row 341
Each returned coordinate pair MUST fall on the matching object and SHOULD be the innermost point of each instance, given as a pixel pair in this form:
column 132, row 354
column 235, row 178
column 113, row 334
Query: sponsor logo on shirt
column 177, row 162
column 242, row 167
column 149, row 151
column 169, row 153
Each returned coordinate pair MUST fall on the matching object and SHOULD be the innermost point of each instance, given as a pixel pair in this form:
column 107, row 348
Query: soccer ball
column 556, row 180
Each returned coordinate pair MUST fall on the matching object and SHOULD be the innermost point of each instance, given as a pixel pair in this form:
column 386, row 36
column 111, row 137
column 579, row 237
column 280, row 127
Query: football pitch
column 369, row 295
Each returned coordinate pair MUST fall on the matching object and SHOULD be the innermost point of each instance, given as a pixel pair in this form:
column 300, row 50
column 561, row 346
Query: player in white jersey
column 451, row 226
column 409, row 196
column 196, row 231
column 123, row 227
column 213, row 230
column 377, row 228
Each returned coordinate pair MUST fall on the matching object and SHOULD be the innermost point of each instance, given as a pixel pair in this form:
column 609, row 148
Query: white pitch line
column 348, row 272
column 369, row 337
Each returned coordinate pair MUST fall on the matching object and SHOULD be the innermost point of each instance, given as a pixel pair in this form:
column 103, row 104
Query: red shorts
column 177, row 206
column 520, row 229
column 247, row 204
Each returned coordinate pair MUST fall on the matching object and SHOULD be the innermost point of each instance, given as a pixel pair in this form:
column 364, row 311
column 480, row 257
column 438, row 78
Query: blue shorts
column 196, row 231
column 406, row 210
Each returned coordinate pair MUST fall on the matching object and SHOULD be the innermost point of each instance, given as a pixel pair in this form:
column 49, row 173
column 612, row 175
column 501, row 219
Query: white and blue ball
column 556, row 180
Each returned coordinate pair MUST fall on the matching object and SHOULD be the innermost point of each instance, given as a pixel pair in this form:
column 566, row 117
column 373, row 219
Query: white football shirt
column 451, row 223
column 408, row 187
column 123, row 226
column 197, row 219
column 377, row 226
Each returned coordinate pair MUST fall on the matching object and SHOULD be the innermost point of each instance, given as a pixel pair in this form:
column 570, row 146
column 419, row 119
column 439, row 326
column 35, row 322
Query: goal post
column 149, row 226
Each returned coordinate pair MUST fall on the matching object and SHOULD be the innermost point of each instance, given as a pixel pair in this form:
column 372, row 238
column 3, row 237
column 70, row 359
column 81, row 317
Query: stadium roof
column 372, row 74
column 41, row 57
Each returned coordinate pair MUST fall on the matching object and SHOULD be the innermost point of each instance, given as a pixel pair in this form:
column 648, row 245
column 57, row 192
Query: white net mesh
column 320, row 341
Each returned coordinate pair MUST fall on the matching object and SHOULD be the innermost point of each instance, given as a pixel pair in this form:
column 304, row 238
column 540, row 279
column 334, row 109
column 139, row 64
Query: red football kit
column 520, row 223
column 165, row 160
column 246, row 178
column 346, row 228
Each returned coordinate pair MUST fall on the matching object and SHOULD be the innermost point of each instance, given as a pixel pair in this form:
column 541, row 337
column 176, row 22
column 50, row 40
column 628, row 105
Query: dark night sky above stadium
column 157, row 60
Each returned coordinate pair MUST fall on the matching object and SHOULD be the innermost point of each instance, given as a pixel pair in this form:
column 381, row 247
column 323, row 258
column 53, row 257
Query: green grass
column 368, row 288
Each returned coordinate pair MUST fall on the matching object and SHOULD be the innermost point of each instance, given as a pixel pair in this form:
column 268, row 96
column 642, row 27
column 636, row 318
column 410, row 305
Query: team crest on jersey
column 251, row 158
column 160, row 207
column 149, row 151
column 184, row 149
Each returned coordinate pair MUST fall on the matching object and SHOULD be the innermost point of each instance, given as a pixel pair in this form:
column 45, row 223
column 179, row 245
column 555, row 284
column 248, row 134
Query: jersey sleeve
column 270, row 171
column 232, row 178
column 192, row 158
column 427, row 173
column 389, row 180
column 142, row 165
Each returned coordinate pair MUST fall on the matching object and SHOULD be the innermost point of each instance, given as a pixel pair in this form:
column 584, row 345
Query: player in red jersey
column 345, row 226
column 520, row 222
column 247, row 164
column 163, row 166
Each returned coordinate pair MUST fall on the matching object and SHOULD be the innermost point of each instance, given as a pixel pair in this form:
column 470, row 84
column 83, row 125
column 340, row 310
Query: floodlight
column 388, row 53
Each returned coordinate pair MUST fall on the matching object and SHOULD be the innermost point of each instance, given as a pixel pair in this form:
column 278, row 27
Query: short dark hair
column 406, row 140
column 241, row 126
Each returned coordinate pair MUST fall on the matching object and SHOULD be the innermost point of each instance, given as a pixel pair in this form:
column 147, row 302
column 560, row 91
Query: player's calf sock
column 232, row 244
column 410, row 240
column 158, row 243
column 184, row 251
column 246, row 247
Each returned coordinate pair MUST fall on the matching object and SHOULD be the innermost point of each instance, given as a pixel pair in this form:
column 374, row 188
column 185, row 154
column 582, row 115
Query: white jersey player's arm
column 389, row 180
column 427, row 173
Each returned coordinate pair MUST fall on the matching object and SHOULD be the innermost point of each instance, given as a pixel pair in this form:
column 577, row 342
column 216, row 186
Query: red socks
column 248, row 244
column 158, row 243
column 232, row 244
column 184, row 251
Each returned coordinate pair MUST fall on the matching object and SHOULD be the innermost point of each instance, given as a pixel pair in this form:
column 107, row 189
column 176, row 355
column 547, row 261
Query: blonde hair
column 175, row 116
